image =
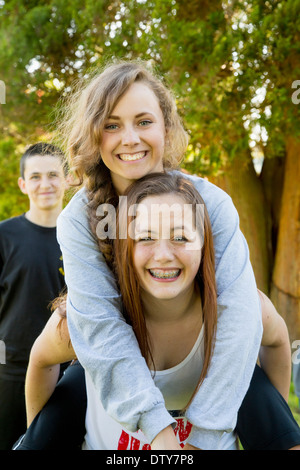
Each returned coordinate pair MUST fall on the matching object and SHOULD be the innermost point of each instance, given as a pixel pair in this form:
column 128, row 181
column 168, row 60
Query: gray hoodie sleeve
column 106, row 345
column 214, row 408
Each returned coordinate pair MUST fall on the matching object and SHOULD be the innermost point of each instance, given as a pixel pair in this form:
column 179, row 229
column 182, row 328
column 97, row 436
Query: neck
column 171, row 310
column 120, row 184
column 43, row 218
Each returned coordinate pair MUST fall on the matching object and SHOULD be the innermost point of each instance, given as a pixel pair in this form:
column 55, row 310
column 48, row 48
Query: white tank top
column 177, row 386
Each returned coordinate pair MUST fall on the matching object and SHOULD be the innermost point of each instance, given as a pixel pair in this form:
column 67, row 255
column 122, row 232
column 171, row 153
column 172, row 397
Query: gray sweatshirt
column 107, row 348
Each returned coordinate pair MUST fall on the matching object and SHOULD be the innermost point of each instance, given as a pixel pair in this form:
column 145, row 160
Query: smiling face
column 133, row 137
column 43, row 182
column 167, row 249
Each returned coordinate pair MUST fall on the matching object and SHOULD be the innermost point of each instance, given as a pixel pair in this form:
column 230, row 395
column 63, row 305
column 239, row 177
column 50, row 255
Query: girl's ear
column 22, row 185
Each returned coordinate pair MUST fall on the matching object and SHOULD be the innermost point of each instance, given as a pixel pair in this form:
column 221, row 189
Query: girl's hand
column 165, row 440
column 190, row 447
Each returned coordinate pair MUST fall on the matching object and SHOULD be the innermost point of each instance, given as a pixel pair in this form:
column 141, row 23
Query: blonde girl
column 123, row 125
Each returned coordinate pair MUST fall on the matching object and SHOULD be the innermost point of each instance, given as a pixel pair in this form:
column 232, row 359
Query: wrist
column 165, row 439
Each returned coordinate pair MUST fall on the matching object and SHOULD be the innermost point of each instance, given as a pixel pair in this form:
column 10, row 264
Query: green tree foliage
column 12, row 201
column 231, row 64
column 215, row 54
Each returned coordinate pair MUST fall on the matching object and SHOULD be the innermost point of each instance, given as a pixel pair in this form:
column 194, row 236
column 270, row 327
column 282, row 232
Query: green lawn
column 294, row 404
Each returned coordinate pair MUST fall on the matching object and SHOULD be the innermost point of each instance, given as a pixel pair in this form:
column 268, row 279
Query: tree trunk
column 285, row 291
column 240, row 181
column 272, row 176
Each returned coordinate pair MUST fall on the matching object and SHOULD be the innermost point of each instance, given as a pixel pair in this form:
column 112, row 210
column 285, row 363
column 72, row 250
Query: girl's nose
column 163, row 251
column 130, row 136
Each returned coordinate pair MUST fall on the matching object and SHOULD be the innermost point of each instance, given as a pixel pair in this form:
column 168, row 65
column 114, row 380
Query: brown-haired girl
column 122, row 126
column 166, row 274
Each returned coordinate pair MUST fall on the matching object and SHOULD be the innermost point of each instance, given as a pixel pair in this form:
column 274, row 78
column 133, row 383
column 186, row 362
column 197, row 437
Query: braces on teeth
column 165, row 275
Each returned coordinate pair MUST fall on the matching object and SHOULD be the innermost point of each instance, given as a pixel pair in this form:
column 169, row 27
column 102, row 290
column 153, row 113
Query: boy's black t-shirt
column 31, row 276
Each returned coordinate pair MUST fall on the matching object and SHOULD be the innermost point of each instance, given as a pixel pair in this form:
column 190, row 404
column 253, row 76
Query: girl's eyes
column 178, row 238
column 143, row 239
column 145, row 122
column 113, row 127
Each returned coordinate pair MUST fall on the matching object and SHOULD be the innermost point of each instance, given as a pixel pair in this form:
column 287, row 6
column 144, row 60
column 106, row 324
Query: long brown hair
column 158, row 184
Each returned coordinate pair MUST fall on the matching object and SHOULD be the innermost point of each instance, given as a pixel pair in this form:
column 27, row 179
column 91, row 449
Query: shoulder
column 77, row 205
column 206, row 188
column 12, row 228
column 53, row 345
column 57, row 326
column 75, row 211
column 73, row 223
column 217, row 201
column 274, row 326
column 11, row 222
column 268, row 311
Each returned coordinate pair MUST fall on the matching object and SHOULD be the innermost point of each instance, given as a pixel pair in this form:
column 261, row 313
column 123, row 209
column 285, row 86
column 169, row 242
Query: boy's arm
column 275, row 351
column 49, row 350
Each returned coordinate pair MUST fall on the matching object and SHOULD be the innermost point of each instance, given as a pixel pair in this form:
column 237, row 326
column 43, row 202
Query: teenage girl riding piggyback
column 122, row 126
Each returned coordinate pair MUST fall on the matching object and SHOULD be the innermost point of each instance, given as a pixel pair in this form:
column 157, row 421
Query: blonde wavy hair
column 82, row 120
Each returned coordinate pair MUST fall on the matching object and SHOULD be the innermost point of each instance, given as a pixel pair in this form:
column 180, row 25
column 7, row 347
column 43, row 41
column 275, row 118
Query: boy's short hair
column 41, row 149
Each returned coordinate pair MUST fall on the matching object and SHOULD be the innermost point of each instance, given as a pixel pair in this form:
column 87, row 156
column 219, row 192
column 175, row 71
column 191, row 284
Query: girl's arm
column 50, row 349
column 275, row 351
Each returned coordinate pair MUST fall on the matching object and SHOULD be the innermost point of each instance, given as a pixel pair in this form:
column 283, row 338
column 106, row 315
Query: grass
column 294, row 404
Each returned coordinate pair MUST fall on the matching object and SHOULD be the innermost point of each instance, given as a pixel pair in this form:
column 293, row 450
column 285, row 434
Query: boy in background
column 31, row 276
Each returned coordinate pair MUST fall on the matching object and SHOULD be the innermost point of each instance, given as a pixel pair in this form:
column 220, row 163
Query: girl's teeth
column 162, row 274
column 129, row 157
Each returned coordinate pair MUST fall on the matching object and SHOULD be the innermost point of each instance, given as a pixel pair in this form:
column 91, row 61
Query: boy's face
column 44, row 182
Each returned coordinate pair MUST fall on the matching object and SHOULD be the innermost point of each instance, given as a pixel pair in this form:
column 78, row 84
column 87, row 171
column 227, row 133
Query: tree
column 241, row 59
column 231, row 65
column 273, row 45
column 14, row 201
